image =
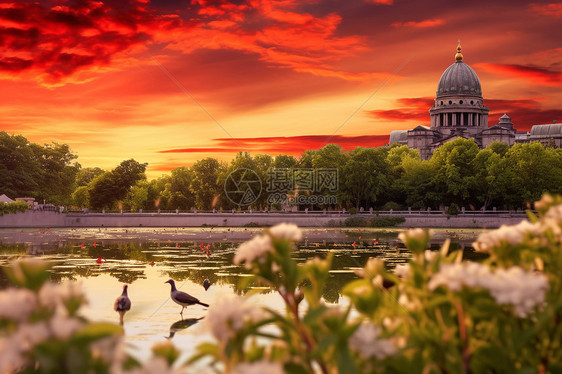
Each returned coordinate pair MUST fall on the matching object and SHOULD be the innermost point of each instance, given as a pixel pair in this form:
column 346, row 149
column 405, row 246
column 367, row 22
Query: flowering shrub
column 42, row 331
column 441, row 315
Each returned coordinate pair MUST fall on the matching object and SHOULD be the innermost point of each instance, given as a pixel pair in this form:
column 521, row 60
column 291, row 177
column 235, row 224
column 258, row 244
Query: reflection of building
column 459, row 111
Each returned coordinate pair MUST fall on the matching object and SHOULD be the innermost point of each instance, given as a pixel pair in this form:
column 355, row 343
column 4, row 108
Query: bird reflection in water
column 182, row 324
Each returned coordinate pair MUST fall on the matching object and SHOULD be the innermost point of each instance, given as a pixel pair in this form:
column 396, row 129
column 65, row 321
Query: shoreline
column 45, row 219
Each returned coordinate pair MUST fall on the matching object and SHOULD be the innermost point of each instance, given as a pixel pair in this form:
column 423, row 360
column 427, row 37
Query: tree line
column 388, row 177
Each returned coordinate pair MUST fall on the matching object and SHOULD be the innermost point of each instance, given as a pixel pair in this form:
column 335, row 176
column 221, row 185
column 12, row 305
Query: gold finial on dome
column 458, row 56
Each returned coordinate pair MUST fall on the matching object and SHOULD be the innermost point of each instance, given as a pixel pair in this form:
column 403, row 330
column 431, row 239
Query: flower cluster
column 17, row 307
column 231, row 314
column 367, row 342
column 257, row 248
column 513, row 286
column 415, row 234
column 253, row 250
column 513, row 235
column 287, row 231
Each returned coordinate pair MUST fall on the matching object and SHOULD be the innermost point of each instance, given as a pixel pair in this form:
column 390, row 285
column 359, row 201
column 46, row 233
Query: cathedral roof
column 459, row 79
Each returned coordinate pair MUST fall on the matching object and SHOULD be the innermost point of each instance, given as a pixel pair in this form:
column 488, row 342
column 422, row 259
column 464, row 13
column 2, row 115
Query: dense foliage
column 440, row 315
column 30, row 170
column 458, row 175
column 13, row 207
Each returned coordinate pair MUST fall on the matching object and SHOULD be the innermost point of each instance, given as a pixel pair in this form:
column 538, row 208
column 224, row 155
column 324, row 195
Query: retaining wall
column 53, row 219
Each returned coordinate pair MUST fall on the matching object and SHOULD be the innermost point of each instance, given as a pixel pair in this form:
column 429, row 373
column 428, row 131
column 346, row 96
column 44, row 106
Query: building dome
column 459, row 79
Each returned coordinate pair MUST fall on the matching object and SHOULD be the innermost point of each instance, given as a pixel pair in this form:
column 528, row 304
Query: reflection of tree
column 127, row 260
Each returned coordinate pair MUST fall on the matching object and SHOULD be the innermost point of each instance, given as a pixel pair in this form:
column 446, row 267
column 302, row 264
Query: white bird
column 183, row 298
column 122, row 304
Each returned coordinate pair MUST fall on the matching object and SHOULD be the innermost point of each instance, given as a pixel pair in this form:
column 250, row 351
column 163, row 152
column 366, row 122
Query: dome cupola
column 459, row 79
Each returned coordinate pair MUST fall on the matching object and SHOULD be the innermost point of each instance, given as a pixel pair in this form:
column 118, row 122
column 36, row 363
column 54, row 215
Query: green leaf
column 312, row 315
column 95, row 331
column 294, row 368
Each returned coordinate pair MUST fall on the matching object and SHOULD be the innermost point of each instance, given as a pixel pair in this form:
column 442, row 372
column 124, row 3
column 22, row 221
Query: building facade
column 459, row 111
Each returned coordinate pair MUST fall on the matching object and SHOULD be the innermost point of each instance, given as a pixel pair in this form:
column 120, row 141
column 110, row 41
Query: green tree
column 102, row 192
column 284, row 162
column 204, row 184
column 81, row 197
column 454, row 172
column 364, row 176
column 137, row 197
column 177, row 192
column 43, row 172
column 86, row 175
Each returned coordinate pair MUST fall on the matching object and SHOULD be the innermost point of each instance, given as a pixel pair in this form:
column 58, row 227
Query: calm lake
column 102, row 260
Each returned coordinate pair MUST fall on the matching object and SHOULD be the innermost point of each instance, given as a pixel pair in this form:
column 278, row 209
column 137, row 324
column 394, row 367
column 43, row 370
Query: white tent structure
column 5, row 199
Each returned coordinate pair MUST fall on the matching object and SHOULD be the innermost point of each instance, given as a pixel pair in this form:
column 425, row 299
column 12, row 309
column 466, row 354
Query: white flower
column 231, row 314
column 11, row 357
column 28, row 335
column 545, row 201
column 373, row 267
column 415, row 234
column 391, row 323
column 366, row 341
column 554, row 212
column 286, row 231
column 524, row 290
column 402, row 270
column 17, row 304
column 254, row 249
column 430, row 255
column 63, row 327
column 258, row 367
column 506, row 234
column 409, row 304
column 52, row 294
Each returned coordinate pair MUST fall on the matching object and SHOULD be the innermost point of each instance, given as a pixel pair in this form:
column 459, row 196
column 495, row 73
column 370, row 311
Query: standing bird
column 122, row 304
column 182, row 298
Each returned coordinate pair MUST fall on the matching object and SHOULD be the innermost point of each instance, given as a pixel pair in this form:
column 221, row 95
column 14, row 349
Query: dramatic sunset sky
column 169, row 82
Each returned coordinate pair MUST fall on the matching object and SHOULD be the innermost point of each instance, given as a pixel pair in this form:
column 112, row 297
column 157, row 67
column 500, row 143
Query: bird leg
column 181, row 313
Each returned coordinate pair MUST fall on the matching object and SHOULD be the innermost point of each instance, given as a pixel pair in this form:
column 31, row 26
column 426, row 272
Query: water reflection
column 182, row 324
column 128, row 253
column 145, row 258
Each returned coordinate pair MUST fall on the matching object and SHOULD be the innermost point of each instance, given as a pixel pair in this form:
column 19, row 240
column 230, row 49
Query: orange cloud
column 533, row 74
column 292, row 145
column 552, row 9
column 426, row 23
column 523, row 112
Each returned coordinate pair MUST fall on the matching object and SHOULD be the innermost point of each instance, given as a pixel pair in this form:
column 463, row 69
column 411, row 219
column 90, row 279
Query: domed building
column 459, row 111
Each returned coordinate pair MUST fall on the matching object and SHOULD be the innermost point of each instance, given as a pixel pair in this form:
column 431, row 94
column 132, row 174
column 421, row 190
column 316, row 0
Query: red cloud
column 277, row 32
column 420, row 24
column 383, row 2
column 412, row 109
column 534, row 74
column 523, row 112
column 54, row 42
column 292, row 145
column 553, row 9
column 67, row 39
